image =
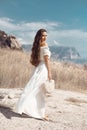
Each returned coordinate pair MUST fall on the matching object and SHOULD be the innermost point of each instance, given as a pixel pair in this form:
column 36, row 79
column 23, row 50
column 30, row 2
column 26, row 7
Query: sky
column 64, row 20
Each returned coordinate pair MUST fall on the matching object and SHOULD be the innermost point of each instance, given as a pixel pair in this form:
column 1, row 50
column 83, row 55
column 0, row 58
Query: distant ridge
column 64, row 53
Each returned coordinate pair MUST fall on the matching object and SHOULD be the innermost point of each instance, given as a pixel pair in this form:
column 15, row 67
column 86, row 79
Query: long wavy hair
column 35, row 54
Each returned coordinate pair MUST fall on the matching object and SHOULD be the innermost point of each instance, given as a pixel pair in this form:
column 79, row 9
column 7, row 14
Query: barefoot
column 46, row 118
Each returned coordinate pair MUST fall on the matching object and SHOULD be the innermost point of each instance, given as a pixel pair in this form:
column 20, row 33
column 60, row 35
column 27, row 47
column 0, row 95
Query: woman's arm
column 48, row 65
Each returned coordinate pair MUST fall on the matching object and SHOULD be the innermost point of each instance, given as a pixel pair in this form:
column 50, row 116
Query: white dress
column 32, row 100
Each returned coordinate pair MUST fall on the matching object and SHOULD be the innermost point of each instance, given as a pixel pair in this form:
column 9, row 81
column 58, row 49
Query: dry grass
column 70, row 76
column 15, row 70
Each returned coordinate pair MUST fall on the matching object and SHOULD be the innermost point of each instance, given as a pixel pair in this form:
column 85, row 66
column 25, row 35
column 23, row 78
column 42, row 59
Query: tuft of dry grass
column 76, row 101
column 15, row 71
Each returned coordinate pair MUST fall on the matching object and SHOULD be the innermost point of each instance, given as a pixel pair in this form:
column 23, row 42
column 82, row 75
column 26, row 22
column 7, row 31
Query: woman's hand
column 49, row 76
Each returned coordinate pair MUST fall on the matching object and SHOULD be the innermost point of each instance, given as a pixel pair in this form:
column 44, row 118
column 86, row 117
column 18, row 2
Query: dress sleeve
column 46, row 51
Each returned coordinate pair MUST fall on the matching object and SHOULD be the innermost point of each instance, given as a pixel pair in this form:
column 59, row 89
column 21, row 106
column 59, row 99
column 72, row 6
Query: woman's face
column 44, row 36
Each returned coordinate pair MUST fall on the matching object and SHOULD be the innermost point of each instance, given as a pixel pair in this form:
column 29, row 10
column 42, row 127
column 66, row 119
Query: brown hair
column 35, row 55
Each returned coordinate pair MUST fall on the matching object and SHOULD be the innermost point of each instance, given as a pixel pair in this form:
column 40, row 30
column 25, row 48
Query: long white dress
column 32, row 100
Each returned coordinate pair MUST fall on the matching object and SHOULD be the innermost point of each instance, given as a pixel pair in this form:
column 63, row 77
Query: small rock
column 11, row 95
column 1, row 97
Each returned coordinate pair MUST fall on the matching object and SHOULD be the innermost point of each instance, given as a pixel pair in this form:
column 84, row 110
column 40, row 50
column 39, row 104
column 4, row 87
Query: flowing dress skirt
column 32, row 100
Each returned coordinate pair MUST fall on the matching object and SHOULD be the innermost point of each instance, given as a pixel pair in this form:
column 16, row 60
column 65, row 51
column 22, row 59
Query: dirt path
column 67, row 111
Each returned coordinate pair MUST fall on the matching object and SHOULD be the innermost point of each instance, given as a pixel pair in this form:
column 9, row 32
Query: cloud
column 36, row 25
column 26, row 26
column 25, row 32
column 7, row 24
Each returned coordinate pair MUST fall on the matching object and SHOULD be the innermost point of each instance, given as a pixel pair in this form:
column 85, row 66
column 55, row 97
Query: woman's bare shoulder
column 45, row 45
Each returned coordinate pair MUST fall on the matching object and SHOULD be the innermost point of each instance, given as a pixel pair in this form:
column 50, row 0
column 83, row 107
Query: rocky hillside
column 9, row 41
column 59, row 52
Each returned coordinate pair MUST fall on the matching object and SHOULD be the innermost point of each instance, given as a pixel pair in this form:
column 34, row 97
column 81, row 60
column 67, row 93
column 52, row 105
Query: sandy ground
column 66, row 110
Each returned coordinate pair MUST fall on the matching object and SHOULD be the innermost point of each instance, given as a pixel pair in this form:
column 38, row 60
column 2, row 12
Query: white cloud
column 69, row 33
column 37, row 25
column 6, row 24
column 25, row 26
column 25, row 30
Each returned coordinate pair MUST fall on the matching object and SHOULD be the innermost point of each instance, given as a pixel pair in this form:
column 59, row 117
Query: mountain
column 64, row 53
column 59, row 52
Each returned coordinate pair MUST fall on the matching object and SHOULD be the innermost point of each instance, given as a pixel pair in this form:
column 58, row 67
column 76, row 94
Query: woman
column 32, row 100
